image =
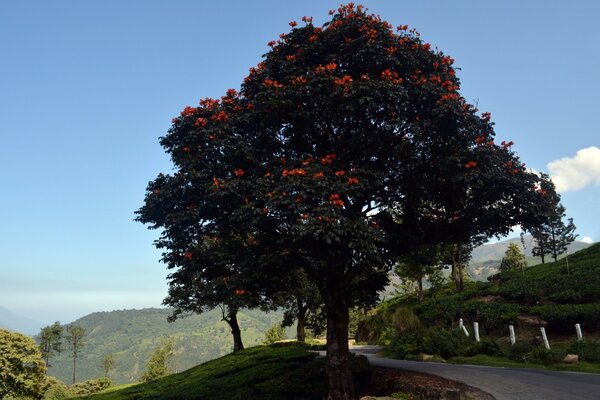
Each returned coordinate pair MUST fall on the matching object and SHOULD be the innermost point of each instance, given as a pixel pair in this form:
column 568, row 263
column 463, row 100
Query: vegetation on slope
column 264, row 372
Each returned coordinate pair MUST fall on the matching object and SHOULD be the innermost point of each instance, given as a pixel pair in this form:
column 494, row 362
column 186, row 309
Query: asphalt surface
column 502, row 383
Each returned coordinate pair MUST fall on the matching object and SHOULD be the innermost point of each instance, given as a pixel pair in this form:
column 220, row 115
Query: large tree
column 340, row 142
column 22, row 369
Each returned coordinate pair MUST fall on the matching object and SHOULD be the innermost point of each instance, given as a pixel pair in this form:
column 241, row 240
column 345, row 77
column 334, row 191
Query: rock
column 571, row 359
column 425, row 357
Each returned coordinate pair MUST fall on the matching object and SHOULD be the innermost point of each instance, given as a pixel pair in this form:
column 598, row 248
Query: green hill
column 268, row 373
column 131, row 335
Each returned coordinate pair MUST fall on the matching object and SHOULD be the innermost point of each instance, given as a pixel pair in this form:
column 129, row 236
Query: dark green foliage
column 520, row 351
column 546, row 356
column 267, row 373
column 445, row 342
column 158, row 364
column 274, row 334
column 51, row 341
column 587, row 350
column 89, row 387
column 487, row 346
column 404, row 345
column 565, row 316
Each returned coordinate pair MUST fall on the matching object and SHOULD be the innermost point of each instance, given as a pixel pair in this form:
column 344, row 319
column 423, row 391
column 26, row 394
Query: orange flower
column 299, row 80
column 392, row 50
column 318, row 175
column 343, row 81
column 239, row 172
column 293, row 24
column 188, row 111
column 188, row 255
column 186, row 149
column 352, row 180
column 313, row 38
column 209, row 103
column 271, row 43
column 479, row 140
column 304, row 216
column 471, row 164
column 250, row 106
column 326, row 68
column 340, row 173
column 156, row 191
column 269, row 83
column 328, row 159
column 216, row 183
column 308, row 161
column 240, row 292
column 294, row 172
column 201, row 122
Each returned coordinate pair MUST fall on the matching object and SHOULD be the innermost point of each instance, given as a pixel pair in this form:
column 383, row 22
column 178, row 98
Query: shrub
column 486, row 346
column 520, row 351
column 274, row 334
column 546, row 356
column 404, row 345
column 445, row 343
column 89, row 387
column 587, row 350
column 565, row 316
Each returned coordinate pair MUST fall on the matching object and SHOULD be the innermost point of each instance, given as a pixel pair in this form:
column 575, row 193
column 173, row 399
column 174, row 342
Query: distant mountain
column 18, row 323
column 130, row 336
column 486, row 259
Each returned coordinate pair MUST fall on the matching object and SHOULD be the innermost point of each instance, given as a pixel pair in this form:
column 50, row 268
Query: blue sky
column 87, row 88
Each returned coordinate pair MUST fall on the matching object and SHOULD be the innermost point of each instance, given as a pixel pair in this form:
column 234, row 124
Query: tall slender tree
column 51, row 341
column 75, row 338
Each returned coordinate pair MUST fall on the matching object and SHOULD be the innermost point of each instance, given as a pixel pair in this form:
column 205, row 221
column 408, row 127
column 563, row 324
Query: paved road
column 502, row 383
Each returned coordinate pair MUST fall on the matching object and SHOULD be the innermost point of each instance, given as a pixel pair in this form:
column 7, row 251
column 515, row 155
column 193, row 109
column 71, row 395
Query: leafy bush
column 445, row 343
column 274, row 334
column 566, row 297
column 565, row 316
column 89, row 387
column 587, row 350
column 404, row 345
column 486, row 346
column 545, row 356
column 520, row 351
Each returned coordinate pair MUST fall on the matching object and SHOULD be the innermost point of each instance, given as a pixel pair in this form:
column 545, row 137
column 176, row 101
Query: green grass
column 263, row 372
column 494, row 361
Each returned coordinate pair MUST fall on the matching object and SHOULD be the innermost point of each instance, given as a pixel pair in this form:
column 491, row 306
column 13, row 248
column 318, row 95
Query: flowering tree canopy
column 342, row 141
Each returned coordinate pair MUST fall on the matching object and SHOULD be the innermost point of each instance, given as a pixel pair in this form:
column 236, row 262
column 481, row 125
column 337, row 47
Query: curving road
column 502, row 383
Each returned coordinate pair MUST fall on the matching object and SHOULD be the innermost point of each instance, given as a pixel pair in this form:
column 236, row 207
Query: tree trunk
column 457, row 269
column 235, row 330
column 74, row 366
column 339, row 373
column 420, row 289
column 300, row 332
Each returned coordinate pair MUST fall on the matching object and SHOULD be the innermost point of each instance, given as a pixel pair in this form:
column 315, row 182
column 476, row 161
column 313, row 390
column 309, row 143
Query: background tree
column 299, row 298
column 75, row 337
column 418, row 264
column 340, row 142
column 552, row 235
column 158, row 363
column 22, row 369
column 274, row 334
column 108, row 364
column 50, row 339
column 513, row 259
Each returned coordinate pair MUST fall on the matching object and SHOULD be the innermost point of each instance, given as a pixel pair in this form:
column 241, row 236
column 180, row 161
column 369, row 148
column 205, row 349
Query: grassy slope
column 131, row 335
column 266, row 373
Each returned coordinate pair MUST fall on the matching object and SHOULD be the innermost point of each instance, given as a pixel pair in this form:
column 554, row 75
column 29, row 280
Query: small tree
column 22, row 369
column 513, row 259
column 108, row 364
column 274, row 334
column 158, row 363
column 50, row 339
column 75, row 341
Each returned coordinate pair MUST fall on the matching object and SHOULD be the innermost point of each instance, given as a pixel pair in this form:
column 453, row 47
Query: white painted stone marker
column 543, row 330
column 513, row 339
column 476, row 329
column 460, row 323
column 465, row 330
column 578, row 330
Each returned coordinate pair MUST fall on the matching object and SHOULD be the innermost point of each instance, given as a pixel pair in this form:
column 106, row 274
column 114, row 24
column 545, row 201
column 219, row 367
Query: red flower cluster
column 209, row 103
column 318, row 175
column 186, row 149
column 188, row 255
column 293, row 24
column 188, row 111
column 479, row 140
column 336, row 201
column 507, row 144
column 326, row 68
column 221, row 116
column 308, row 161
column 240, row 292
column 391, row 50
column 299, row 80
column 307, row 20
column 389, row 75
column 201, row 122
column 340, row 173
column 486, row 116
column 272, row 43
column 216, row 183
column 343, row 81
column 239, row 172
column 402, row 27
column 426, row 47
column 447, row 60
column 270, row 83
column 294, row 172
column 156, row 191
column 352, row 180
column 290, row 57
column 328, row 159
column 449, row 96
column 470, row 164
column 449, row 85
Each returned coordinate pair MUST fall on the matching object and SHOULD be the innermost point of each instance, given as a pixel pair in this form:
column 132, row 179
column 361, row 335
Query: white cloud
column 577, row 172
column 587, row 239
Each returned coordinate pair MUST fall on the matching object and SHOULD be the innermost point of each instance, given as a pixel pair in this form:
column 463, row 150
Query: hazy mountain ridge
column 18, row 323
column 486, row 259
column 131, row 335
